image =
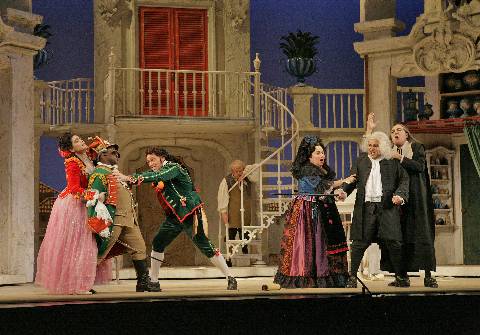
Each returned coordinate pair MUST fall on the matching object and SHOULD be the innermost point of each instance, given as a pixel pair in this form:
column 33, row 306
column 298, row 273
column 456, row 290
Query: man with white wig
column 382, row 187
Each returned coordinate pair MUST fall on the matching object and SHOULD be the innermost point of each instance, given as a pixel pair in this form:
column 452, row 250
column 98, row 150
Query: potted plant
column 300, row 49
column 43, row 55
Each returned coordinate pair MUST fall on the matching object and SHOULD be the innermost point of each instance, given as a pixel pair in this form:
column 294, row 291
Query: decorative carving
column 237, row 13
column 405, row 66
column 444, row 51
column 446, row 42
column 112, row 11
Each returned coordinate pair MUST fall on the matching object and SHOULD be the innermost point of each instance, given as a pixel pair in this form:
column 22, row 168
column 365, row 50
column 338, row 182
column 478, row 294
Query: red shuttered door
column 174, row 39
column 191, row 54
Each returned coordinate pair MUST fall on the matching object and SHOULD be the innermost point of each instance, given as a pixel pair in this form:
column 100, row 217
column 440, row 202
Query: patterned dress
column 313, row 247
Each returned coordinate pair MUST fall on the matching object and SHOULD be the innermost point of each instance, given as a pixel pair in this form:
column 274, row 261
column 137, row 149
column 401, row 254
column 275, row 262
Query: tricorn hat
column 100, row 145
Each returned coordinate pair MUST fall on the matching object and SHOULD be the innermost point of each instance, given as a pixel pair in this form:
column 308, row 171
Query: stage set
column 203, row 305
column 204, row 98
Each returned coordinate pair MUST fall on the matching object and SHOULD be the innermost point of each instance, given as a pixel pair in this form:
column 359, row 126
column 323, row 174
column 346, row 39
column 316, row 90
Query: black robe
column 418, row 222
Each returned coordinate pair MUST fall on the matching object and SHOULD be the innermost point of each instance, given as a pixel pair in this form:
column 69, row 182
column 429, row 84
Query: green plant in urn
column 300, row 49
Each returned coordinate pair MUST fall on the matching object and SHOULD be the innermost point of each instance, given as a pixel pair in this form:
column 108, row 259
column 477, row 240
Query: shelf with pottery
column 439, row 164
column 459, row 94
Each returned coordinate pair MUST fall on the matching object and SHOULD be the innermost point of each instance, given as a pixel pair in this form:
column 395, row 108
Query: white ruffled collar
column 406, row 149
column 112, row 167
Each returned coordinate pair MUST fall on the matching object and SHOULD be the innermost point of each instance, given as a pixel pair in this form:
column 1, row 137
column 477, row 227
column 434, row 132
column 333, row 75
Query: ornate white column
column 17, row 147
column 378, row 24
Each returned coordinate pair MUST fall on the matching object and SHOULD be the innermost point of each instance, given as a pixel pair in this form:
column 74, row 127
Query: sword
column 132, row 248
column 308, row 194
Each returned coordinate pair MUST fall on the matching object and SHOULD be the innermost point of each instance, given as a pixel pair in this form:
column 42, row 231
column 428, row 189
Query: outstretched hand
column 341, row 194
column 350, row 179
column 120, row 176
column 371, row 123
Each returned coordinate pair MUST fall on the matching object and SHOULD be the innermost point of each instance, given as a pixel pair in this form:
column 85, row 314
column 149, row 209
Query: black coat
column 394, row 182
column 417, row 219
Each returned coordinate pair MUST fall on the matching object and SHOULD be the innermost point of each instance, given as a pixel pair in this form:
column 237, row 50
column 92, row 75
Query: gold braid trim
column 95, row 175
column 77, row 160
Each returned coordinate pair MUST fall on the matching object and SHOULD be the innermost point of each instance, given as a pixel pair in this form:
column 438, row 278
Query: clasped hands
column 397, row 200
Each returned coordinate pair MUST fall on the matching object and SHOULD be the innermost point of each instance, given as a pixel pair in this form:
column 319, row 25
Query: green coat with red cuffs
column 178, row 194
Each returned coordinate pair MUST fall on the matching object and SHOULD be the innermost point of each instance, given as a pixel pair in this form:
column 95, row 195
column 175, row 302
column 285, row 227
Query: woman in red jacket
column 67, row 260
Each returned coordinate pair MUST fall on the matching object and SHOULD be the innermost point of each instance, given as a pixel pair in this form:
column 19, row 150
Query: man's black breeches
column 371, row 222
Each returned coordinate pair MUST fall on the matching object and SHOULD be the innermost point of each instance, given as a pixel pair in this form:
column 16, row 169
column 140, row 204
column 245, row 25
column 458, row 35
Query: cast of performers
column 382, row 186
column 183, row 209
column 67, row 260
column 313, row 247
column 112, row 215
column 417, row 217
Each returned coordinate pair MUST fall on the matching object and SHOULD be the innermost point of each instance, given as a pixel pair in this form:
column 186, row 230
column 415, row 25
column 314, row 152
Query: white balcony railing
column 180, row 93
column 338, row 108
column 65, row 101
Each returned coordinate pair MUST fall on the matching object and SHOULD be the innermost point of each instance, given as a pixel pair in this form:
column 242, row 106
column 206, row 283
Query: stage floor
column 215, row 288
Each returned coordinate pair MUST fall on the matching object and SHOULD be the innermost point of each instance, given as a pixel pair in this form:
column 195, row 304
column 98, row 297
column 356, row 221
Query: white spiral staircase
column 277, row 142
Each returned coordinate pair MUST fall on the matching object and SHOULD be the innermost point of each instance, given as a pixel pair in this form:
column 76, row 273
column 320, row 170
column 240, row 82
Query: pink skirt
column 67, row 260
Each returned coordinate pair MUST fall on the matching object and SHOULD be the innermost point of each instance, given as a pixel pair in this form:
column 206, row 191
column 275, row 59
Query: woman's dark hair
column 65, row 142
column 305, row 150
column 161, row 152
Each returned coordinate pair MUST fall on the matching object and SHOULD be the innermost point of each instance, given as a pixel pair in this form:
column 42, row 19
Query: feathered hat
column 100, row 145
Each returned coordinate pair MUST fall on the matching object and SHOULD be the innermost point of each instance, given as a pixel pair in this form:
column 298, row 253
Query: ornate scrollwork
column 113, row 10
column 449, row 45
column 444, row 51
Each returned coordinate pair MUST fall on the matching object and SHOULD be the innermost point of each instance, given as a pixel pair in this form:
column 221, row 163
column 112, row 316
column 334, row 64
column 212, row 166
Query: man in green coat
column 112, row 215
column 183, row 209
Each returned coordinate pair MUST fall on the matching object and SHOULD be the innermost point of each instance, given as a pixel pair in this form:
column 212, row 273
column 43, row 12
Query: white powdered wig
column 384, row 143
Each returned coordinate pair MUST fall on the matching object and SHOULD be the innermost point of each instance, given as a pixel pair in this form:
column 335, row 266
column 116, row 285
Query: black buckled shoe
column 232, row 284
column 430, row 282
column 145, row 285
column 155, row 287
column 351, row 282
column 400, row 282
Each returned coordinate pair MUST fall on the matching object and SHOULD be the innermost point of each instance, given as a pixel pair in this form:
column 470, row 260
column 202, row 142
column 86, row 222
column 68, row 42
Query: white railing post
column 109, row 90
column 256, row 101
column 41, row 89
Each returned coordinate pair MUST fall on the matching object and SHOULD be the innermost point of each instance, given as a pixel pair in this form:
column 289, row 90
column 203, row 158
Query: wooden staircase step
column 276, row 187
column 282, row 162
column 267, row 148
column 276, row 174
column 275, row 200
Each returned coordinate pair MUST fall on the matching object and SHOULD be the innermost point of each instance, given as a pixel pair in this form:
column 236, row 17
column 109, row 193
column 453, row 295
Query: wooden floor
column 29, row 294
